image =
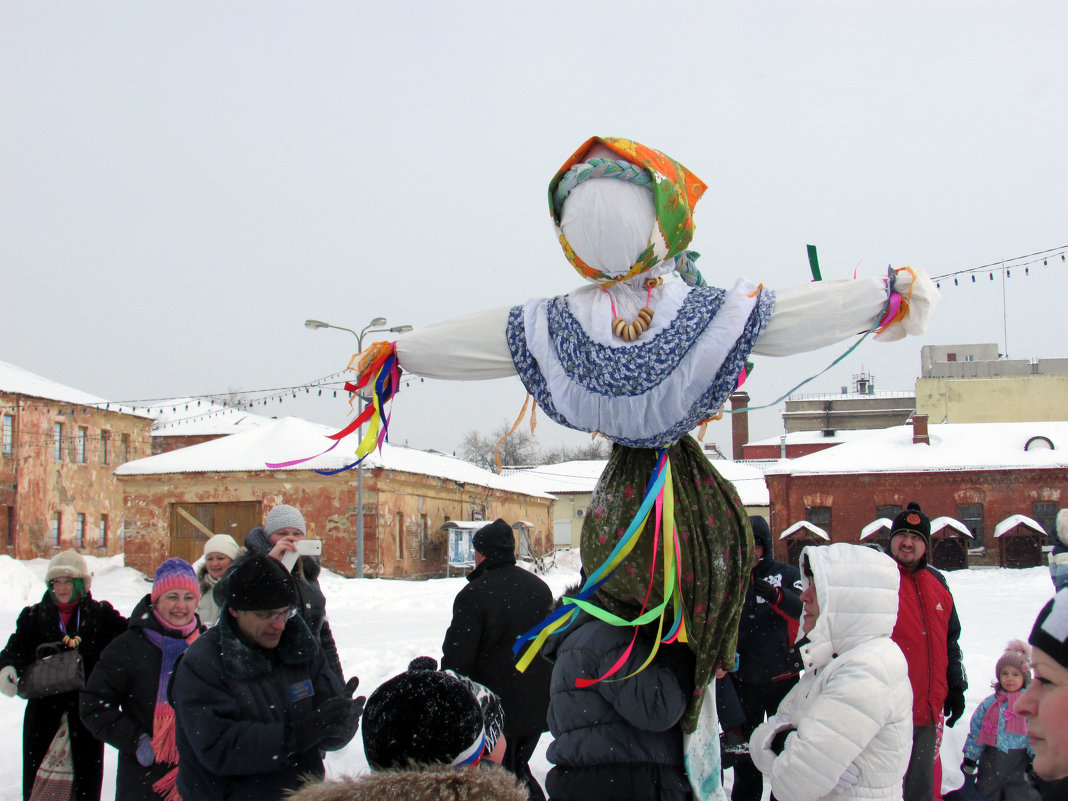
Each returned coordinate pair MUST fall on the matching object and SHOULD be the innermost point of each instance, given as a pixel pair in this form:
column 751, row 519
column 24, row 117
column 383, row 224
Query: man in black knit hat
column 927, row 632
column 255, row 702
column 500, row 602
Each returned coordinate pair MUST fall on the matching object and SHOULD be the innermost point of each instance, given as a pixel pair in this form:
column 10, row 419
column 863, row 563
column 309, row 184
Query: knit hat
column 224, row 544
column 69, row 564
column 284, row 516
column 1018, row 655
column 912, row 520
column 260, row 583
column 495, row 541
column 1062, row 526
column 174, row 574
column 1050, row 632
column 422, row 717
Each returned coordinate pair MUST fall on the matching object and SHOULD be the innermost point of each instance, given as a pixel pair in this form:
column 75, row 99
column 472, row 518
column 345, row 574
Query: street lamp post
column 376, row 325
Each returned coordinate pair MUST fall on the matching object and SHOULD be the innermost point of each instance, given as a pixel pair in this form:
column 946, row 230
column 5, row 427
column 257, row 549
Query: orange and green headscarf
column 675, row 189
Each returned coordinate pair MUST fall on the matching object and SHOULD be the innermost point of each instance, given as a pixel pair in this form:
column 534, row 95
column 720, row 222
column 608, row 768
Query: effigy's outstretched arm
column 468, row 348
column 824, row 312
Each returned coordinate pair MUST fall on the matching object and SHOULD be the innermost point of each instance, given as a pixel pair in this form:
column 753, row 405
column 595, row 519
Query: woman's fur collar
column 425, row 783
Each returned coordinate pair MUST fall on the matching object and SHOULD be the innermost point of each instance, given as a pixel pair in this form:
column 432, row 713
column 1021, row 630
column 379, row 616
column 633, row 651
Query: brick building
column 979, row 474
column 175, row 500
column 59, row 448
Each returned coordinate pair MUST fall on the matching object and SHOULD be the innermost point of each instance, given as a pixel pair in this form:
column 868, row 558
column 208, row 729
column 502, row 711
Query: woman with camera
column 282, row 537
column 67, row 614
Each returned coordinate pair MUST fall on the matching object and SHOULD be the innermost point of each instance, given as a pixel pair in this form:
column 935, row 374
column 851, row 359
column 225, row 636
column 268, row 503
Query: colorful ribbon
column 659, row 496
column 378, row 366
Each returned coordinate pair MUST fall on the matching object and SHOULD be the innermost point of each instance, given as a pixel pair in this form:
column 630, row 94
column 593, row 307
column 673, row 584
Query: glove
column 969, row 766
column 336, row 718
column 849, row 777
column 351, row 685
column 778, row 742
column 769, row 592
column 146, row 757
column 954, row 707
column 9, row 681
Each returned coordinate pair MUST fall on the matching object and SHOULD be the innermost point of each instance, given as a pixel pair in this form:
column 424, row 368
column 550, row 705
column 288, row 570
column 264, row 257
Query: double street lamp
column 377, row 324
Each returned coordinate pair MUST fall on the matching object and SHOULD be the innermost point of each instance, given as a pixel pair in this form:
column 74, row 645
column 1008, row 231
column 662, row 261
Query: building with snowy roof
column 572, row 484
column 59, row 448
column 977, row 474
column 176, row 500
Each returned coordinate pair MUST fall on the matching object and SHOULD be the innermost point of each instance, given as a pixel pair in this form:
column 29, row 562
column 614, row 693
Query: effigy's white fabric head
column 608, row 223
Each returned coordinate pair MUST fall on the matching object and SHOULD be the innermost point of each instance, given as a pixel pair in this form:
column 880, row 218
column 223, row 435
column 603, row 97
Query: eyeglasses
column 285, row 614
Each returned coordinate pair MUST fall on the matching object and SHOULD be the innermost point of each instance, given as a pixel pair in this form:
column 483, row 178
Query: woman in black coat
column 66, row 610
column 124, row 703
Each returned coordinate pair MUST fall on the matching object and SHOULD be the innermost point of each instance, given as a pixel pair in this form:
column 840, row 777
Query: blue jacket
column 234, row 709
column 1005, row 742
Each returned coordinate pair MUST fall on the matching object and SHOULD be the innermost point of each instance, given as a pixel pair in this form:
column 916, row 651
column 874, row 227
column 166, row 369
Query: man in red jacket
column 927, row 632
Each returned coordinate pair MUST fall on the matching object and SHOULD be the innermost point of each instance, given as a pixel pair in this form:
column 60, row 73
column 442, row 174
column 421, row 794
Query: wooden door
column 193, row 523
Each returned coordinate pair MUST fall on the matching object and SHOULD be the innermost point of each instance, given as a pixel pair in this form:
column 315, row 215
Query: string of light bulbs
column 1006, row 266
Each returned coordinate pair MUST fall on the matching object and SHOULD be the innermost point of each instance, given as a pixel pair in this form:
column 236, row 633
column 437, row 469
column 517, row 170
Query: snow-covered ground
column 380, row 625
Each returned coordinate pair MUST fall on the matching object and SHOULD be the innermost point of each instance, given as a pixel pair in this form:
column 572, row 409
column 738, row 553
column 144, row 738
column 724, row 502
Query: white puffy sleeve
column 824, row 312
column 467, row 348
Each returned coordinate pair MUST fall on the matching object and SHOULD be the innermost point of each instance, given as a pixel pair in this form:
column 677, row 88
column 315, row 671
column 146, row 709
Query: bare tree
column 519, row 448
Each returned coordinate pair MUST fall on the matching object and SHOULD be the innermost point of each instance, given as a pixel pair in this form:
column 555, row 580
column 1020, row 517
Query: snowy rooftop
column 1009, row 523
column 290, row 438
column 956, row 446
column 22, row 382
column 812, row 438
column 565, row 477
column 186, row 417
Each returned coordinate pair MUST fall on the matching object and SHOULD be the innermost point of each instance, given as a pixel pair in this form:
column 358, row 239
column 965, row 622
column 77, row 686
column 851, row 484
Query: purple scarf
column 163, row 719
column 1014, row 723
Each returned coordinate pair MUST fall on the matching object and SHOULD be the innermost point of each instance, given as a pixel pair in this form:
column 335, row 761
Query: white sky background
column 183, row 184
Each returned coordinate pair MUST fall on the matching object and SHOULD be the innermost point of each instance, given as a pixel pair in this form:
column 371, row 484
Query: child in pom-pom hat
column 997, row 744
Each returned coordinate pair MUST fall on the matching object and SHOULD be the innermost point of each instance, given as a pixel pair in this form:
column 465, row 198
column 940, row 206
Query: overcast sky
column 182, row 184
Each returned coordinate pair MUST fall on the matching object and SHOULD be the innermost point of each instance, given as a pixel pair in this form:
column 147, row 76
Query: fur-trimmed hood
column 427, row 783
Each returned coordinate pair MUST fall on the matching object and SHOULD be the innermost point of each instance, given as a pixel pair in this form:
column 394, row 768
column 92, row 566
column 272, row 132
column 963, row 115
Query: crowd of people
column 224, row 683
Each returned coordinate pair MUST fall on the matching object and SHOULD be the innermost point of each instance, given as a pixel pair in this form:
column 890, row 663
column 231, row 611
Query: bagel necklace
column 629, row 332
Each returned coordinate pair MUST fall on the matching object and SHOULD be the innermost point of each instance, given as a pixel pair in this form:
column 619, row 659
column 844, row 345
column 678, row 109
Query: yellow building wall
column 993, row 400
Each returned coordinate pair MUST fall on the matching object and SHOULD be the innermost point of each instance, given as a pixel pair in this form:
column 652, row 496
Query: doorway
column 192, row 524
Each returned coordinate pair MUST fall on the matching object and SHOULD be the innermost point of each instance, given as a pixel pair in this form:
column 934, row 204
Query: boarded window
column 820, row 516
column 971, row 515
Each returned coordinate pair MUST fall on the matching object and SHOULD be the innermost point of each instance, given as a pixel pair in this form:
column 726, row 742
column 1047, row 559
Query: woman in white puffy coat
column 845, row 730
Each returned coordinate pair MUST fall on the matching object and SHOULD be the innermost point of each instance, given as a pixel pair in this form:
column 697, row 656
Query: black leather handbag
column 58, row 669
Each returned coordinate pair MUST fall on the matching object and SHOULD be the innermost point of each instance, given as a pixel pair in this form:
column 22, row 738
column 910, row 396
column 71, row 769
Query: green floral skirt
column 716, row 545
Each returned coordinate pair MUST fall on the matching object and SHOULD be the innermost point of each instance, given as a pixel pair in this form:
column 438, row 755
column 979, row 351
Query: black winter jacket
column 310, row 601
column 500, row 602
column 97, row 623
column 766, row 651
column 234, row 707
column 617, row 740
column 119, row 701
